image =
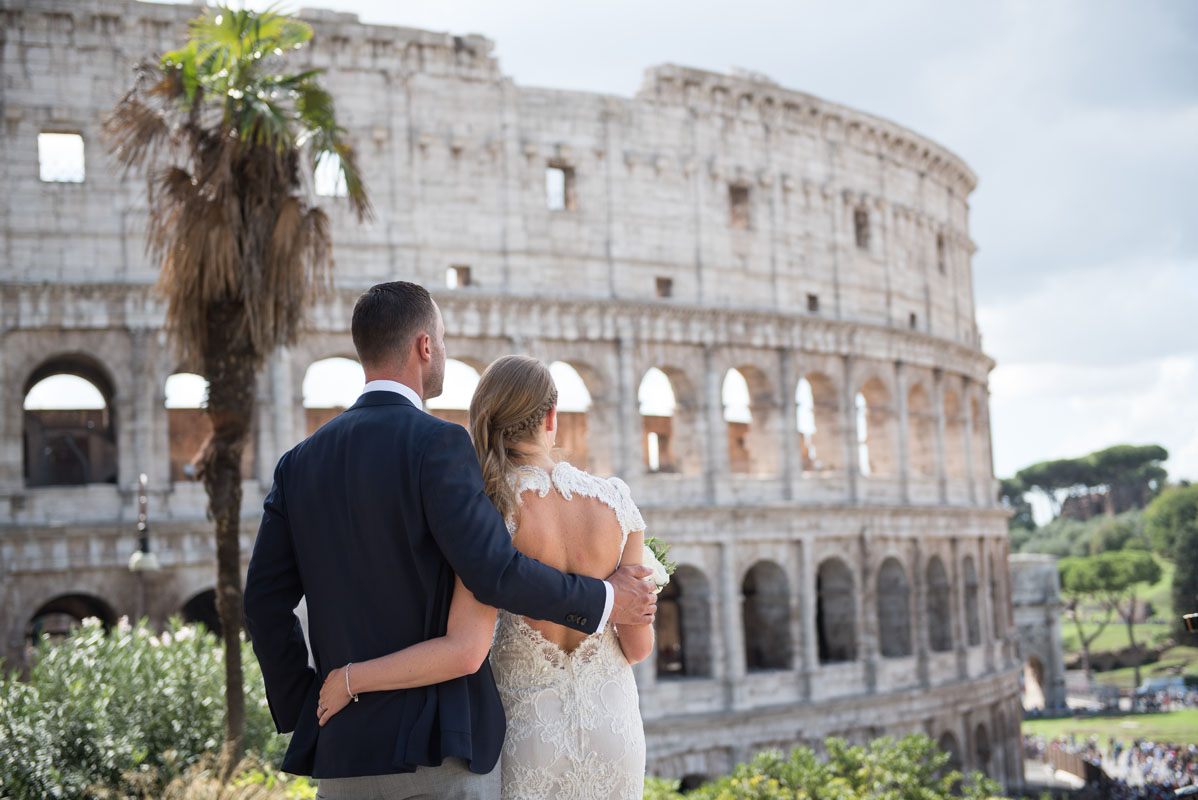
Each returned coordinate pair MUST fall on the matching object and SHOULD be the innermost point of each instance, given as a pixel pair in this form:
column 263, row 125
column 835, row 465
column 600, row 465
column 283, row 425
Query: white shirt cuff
column 607, row 606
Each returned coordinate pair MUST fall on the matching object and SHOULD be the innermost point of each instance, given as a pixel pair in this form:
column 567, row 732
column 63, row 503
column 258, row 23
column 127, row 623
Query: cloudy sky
column 1079, row 116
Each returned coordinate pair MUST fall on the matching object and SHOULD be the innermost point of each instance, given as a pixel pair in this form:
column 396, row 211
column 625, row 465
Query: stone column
column 986, row 606
column 941, row 450
column 787, row 427
column 730, row 619
column 903, row 424
column 810, row 637
column 715, row 437
column 627, row 460
column 967, row 412
column 849, row 419
column 957, row 595
column 867, row 613
column 287, row 421
column 919, row 617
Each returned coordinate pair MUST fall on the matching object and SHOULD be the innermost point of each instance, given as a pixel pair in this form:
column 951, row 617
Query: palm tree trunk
column 229, row 367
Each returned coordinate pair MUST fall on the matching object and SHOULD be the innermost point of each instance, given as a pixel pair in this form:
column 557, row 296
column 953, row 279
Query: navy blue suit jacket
column 370, row 518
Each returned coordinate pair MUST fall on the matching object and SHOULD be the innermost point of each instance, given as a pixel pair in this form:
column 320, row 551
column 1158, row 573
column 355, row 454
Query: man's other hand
column 635, row 602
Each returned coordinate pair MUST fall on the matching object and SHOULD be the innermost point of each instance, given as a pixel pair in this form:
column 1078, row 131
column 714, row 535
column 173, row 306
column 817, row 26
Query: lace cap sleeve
column 630, row 514
column 521, row 480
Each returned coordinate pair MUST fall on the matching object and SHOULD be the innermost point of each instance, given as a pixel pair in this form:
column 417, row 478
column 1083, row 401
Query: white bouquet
column 655, row 557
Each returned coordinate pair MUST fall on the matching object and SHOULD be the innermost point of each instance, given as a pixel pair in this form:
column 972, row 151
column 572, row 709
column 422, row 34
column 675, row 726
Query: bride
column 573, row 718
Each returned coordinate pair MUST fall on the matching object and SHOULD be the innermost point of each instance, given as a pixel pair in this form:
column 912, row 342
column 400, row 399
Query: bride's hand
column 333, row 696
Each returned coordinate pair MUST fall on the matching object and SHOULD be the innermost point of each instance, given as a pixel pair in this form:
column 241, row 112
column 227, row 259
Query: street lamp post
column 142, row 560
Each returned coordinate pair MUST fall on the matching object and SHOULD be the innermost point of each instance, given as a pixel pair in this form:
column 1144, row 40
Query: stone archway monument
column 1036, row 601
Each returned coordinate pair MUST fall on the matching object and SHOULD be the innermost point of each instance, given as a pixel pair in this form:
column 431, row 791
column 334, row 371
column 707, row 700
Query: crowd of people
column 1141, row 770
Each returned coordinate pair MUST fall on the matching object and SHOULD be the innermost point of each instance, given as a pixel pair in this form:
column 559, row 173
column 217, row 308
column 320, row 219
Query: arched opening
column 69, row 431
column 921, row 433
column 1033, row 684
column 894, row 609
column 573, row 405
column 818, row 410
column 658, row 403
column 948, row 744
column 836, row 612
column 691, row 782
column 453, row 404
column 58, row 617
column 973, row 626
column 766, row 618
column 330, row 386
column 875, row 433
column 683, row 625
column 981, row 441
column 202, row 609
column 940, row 614
column 188, row 427
column 981, row 742
column 954, row 437
column 738, row 420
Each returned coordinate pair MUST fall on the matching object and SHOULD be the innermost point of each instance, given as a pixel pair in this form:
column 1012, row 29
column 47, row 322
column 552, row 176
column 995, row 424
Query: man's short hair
column 387, row 318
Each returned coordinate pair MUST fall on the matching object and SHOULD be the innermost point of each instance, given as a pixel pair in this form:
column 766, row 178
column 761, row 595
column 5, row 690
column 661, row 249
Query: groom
column 370, row 518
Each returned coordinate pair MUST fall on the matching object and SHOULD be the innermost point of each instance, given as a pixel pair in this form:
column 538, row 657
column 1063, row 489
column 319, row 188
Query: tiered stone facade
column 829, row 586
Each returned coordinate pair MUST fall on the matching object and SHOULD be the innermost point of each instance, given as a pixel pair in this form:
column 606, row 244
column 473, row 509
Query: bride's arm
column 635, row 640
column 461, row 651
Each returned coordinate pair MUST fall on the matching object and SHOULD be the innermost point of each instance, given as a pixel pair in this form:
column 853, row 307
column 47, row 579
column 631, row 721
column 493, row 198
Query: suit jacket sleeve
column 272, row 591
column 475, row 541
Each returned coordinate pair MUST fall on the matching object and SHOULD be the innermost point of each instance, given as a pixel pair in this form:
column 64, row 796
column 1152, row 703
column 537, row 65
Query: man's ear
column 424, row 347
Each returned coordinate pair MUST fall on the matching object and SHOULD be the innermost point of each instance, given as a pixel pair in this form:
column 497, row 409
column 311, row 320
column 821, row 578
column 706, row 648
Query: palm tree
column 226, row 139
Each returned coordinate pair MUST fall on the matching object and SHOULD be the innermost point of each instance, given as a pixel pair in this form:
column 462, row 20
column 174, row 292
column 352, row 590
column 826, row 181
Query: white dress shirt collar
column 395, row 386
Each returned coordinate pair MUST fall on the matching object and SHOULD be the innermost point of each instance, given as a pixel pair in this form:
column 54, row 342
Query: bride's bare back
column 581, row 535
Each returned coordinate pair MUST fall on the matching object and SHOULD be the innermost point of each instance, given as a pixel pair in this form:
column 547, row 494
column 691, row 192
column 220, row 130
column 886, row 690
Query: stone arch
column 201, row 608
column 1034, row 694
column 669, row 414
column 921, row 433
column 749, row 408
column 683, row 625
column 894, row 609
column 982, row 750
column 765, row 616
column 330, row 385
column 818, row 410
column 948, row 744
column 453, row 405
column 692, row 781
column 573, row 413
column 955, row 466
column 69, row 426
column 940, row 607
column 981, row 439
column 973, row 629
column 60, row 615
column 188, row 427
column 836, row 612
column 875, row 429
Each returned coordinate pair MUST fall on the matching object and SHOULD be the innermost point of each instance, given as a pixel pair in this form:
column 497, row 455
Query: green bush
column 913, row 768
column 101, row 708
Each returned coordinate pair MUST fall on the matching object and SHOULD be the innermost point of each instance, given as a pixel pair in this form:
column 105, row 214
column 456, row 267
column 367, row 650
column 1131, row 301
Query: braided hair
column 513, row 396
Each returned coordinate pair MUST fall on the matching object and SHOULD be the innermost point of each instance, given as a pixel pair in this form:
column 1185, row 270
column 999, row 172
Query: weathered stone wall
column 713, row 222
column 1036, row 601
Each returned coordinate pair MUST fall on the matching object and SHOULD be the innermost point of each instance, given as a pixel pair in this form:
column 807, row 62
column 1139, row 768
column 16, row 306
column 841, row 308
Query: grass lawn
column 1174, row 727
column 1113, row 636
column 1174, row 661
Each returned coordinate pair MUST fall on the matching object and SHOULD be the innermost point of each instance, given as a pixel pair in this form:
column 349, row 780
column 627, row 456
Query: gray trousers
column 452, row 779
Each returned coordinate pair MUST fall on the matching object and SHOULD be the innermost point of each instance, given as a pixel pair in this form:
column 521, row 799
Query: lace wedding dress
column 573, row 719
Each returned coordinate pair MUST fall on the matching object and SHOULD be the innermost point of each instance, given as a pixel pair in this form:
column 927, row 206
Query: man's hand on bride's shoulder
column 333, row 696
column 635, row 602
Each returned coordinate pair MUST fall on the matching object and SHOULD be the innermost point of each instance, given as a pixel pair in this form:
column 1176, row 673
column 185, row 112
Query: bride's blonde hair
column 512, row 398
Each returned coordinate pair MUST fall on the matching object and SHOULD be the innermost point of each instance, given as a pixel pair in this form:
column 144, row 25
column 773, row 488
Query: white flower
column 659, row 576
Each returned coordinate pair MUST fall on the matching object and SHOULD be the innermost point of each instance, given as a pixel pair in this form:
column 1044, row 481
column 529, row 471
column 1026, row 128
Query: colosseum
column 843, row 560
